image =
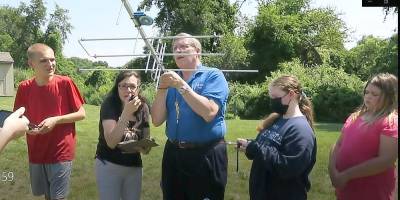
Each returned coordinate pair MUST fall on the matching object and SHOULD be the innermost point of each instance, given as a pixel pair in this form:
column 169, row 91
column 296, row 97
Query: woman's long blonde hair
column 290, row 83
column 388, row 99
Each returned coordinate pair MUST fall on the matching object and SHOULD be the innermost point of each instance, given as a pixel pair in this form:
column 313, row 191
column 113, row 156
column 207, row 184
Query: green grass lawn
column 83, row 186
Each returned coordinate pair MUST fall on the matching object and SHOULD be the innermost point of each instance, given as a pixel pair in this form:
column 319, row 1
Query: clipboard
column 131, row 145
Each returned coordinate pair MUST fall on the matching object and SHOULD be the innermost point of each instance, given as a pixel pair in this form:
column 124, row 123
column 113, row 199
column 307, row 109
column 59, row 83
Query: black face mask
column 277, row 106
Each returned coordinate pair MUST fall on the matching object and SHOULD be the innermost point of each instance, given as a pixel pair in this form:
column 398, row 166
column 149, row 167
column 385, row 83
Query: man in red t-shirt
column 53, row 103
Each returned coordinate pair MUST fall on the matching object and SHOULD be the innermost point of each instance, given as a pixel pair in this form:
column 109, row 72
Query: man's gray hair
column 192, row 41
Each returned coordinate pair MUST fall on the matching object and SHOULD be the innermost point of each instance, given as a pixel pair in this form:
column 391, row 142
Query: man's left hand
column 47, row 125
column 171, row 79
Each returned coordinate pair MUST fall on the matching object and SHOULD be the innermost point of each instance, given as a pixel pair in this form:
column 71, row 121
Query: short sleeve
column 390, row 126
column 145, row 116
column 107, row 111
column 146, row 113
column 75, row 98
column 20, row 97
column 216, row 88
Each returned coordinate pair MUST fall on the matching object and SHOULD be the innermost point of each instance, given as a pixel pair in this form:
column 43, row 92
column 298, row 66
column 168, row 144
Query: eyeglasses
column 126, row 86
column 181, row 47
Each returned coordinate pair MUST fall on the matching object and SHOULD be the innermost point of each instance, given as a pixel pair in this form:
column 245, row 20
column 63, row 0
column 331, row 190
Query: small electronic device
column 3, row 116
column 5, row 113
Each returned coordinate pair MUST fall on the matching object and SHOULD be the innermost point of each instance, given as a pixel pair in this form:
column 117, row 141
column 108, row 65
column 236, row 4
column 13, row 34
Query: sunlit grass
column 14, row 159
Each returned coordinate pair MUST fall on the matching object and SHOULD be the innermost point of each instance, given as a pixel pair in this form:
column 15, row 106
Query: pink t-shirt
column 360, row 142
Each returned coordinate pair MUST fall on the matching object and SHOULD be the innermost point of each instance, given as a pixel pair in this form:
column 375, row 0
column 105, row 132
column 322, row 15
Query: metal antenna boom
column 152, row 38
column 177, row 70
column 143, row 34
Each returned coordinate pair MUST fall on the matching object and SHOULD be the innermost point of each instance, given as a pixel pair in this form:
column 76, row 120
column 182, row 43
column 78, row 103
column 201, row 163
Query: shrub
column 148, row 91
column 21, row 74
column 247, row 101
column 333, row 92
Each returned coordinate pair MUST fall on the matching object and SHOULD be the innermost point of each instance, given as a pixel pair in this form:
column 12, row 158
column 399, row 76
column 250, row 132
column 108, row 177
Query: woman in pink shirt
column 362, row 162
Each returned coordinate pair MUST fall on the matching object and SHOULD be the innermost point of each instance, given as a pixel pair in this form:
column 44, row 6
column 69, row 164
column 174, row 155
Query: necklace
column 177, row 111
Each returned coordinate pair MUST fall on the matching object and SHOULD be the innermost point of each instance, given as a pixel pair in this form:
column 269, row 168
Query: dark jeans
column 194, row 173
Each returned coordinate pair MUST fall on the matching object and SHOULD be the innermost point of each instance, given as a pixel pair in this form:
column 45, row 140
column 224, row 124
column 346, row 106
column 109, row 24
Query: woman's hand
column 242, row 144
column 16, row 123
column 130, row 107
column 338, row 179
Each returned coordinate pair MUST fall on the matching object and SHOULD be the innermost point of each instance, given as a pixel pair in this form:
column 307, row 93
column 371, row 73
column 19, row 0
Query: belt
column 193, row 145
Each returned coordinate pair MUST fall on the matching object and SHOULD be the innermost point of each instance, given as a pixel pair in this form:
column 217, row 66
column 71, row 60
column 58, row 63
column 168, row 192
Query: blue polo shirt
column 189, row 126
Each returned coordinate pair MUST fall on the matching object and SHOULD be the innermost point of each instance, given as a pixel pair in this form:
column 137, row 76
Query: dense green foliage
column 373, row 55
column 334, row 93
column 285, row 29
column 247, row 101
column 20, row 27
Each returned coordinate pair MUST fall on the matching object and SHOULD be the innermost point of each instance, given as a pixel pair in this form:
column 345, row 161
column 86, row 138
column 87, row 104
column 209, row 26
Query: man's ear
column 198, row 51
column 30, row 64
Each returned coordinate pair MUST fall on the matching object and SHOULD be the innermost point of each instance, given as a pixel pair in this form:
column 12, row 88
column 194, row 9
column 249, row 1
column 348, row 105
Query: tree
column 196, row 17
column 21, row 27
column 373, row 55
column 287, row 29
column 140, row 63
column 235, row 57
column 387, row 60
column 205, row 17
column 34, row 17
column 6, row 42
column 363, row 57
column 59, row 21
column 329, row 88
column 322, row 30
column 11, row 22
column 272, row 38
column 54, row 41
column 99, row 78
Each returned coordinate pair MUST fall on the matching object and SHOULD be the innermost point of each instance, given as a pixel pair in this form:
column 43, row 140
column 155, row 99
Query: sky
column 109, row 19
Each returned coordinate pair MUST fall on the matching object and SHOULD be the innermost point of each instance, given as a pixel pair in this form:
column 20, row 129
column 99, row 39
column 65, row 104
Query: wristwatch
column 184, row 89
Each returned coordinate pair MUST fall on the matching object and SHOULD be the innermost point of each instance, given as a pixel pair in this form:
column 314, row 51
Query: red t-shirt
column 360, row 142
column 59, row 97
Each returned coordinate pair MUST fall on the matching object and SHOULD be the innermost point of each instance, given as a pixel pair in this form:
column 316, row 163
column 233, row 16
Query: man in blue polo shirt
column 193, row 104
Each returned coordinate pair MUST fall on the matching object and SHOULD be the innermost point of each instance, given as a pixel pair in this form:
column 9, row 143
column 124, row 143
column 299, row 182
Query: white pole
column 119, row 69
column 151, row 38
column 165, row 54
